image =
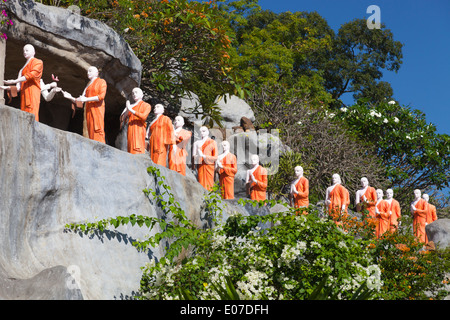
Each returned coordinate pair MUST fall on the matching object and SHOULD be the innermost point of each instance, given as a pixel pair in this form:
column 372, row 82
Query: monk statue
column 205, row 155
column 178, row 152
column 394, row 210
column 431, row 213
column 299, row 189
column 28, row 82
column 337, row 197
column 161, row 135
column 419, row 209
column 366, row 197
column 136, row 114
column 226, row 166
column 382, row 213
column 256, row 180
column 93, row 97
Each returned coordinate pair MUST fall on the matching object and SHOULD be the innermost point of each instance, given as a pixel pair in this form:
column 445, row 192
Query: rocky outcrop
column 68, row 44
column 439, row 232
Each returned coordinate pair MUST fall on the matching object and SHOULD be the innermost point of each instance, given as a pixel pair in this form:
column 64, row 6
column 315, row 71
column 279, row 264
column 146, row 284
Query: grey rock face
column 439, row 232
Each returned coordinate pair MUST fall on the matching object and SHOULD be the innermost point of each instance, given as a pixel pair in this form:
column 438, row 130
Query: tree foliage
column 413, row 154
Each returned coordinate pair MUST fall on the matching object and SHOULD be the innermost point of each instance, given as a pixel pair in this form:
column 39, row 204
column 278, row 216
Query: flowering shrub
column 414, row 155
column 5, row 21
column 286, row 261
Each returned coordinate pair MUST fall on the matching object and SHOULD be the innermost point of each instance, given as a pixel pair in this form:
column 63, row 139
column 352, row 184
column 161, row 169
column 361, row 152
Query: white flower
column 391, row 102
column 331, row 115
column 396, row 120
column 299, row 123
column 385, row 120
column 344, row 109
column 408, row 137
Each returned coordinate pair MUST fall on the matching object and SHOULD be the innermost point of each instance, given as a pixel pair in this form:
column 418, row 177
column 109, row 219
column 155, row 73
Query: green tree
column 413, row 154
column 357, row 60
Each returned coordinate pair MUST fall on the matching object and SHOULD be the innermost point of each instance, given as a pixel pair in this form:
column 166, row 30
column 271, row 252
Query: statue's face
column 254, row 160
column 137, row 94
column 225, row 146
column 298, row 171
column 28, row 51
column 92, row 73
column 204, row 132
column 364, row 182
column 389, row 193
column 159, row 109
column 335, row 178
column 379, row 194
column 417, row 194
column 178, row 122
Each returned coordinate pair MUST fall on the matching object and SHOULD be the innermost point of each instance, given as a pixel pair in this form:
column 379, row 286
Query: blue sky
column 423, row 80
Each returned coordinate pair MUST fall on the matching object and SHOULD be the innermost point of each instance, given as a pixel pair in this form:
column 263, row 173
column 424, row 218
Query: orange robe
column 162, row 135
column 396, row 214
column 206, row 166
column 383, row 224
column 371, row 200
column 30, row 90
column 339, row 196
column 302, row 198
column 95, row 110
column 226, row 176
column 431, row 216
column 258, row 190
column 177, row 159
column 420, row 216
column 137, row 127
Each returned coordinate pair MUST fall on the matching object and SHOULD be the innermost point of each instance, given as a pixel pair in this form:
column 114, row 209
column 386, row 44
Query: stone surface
column 232, row 109
column 439, row 232
column 68, row 44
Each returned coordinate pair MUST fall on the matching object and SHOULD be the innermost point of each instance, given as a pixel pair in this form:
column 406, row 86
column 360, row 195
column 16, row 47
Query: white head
column 159, row 109
column 28, row 51
column 417, row 194
column 426, row 197
column 336, row 178
column 204, row 132
column 379, row 194
column 364, row 182
column 92, row 73
column 389, row 194
column 254, row 160
column 178, row 122
column 137, row 94
column 225, row 146
column 298, row 171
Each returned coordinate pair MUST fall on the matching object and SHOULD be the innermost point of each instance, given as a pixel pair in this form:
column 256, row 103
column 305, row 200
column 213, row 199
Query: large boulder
column 439, row 232
column 232, row 109
column 68, row 44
